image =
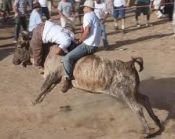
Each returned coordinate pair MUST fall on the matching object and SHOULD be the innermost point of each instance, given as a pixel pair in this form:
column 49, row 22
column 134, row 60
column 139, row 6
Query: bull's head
column 22, row 53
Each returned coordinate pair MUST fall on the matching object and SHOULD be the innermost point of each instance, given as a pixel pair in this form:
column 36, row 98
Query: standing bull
column 116, row 78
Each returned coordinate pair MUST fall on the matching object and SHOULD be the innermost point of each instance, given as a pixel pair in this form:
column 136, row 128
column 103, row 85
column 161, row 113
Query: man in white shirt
column 89, row 42
column 44, row 7
column 35, row 18
column 119, row 13
column 50, row 32
column 102, row 14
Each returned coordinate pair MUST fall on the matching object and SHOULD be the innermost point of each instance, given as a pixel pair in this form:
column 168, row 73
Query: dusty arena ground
column 90, row 116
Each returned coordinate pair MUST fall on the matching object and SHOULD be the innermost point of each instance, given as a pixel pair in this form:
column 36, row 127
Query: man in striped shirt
column 20, row 9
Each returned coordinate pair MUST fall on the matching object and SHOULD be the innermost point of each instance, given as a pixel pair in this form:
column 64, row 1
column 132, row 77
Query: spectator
column 49, row 32
column 76, row 7
column 20, row 9
column 119, row 13
column 157, row 8
column 89, row 42
column 102, row 14
column 65, row 9
column 143, row 6
column 1, row 4
column 44, row 8
column 2, row 13
column 80, row 10
column 109, row 4
column 169, row 5
column 35, row 18
column 6, row 7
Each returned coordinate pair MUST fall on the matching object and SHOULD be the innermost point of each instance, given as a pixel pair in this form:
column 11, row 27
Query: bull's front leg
column 39, row 99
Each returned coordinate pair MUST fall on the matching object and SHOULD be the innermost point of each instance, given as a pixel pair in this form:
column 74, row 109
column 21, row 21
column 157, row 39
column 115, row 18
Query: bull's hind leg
column 144, row 100
column 136, row 108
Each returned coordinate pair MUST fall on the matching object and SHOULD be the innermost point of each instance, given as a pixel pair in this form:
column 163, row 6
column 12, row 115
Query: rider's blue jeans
column 70, row 58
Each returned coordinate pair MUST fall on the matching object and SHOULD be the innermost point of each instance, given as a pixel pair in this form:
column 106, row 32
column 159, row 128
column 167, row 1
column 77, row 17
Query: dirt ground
column 90, row 116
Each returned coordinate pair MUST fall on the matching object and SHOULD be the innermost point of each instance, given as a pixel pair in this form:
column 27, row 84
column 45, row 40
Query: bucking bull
column 95, row 74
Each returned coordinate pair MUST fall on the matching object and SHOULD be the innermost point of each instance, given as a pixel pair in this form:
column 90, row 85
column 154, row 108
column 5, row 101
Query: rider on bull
column 89, row 42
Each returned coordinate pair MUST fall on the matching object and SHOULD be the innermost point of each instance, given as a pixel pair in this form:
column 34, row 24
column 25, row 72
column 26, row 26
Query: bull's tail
column 139, row 61
column 48, row 84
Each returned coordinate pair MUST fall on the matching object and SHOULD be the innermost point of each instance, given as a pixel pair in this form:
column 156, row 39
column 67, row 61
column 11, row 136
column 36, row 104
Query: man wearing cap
column 49, row 32
column 89, row 42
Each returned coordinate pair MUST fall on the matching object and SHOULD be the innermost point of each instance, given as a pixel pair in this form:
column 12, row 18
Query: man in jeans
column 20, row 9
column 89, row 42
column 102, row 14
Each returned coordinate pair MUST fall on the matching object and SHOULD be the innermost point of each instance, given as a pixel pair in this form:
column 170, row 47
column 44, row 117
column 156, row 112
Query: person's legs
column 9, row 6
column 170, row 13
column 115, row 23
column 148, row 18
column 123, row 23
column 36, row 44
column 24, row 22
column 122, row 17
column 72, row 57
column 146, row 11
column 17, row 27
column 6, row 10
column 45, row 10
column 115, row 16
column 69, row 61
column 104, row 36
column 137, row 14
column 4, row 16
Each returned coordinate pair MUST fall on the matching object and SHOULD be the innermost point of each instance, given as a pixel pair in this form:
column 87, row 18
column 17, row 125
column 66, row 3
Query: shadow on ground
column 5, row 38
column 6, row 51
column 161, row 93
column 140, row 39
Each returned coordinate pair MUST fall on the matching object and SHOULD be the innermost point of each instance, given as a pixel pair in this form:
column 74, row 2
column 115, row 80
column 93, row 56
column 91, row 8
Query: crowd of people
column 92, row 15
column 69, row 10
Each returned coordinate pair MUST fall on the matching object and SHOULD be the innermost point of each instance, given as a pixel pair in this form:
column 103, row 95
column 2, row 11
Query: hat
column 89, row 3
column 36, row 5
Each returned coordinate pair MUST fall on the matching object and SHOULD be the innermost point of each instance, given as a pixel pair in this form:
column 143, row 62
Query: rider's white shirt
column 54, row 33
column 91, row 20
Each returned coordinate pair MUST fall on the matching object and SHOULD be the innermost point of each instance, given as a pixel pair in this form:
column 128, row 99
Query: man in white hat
column 89, row 42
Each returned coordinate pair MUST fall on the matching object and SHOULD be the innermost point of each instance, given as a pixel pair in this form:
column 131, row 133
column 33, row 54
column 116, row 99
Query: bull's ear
column 25, row 35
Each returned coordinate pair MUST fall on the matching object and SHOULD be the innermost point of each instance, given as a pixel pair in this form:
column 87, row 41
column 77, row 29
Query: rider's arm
column 85, row 34
column 58, row 51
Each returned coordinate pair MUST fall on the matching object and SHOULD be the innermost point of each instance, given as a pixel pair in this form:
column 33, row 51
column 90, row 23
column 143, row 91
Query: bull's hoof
column 36, row 102
column 24, row 65
column 66, row 108
column 151, row 135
